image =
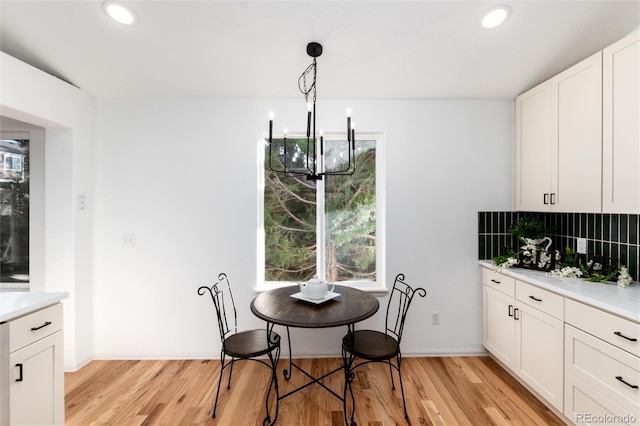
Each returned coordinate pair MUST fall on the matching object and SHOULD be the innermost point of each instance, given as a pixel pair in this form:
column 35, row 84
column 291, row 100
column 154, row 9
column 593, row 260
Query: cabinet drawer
column 601, row 365
column 33, row 327
column 547, row 302
column 500, row 282
column 610, row 328
column 585, row 405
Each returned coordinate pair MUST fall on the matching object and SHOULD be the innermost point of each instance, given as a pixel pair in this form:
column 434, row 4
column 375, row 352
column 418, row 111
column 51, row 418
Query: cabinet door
column 577, row 175
column 586, row 405
column 36, row 389
column 498, row 326
column 535, row 139
column 540, row 352
column 621, row 126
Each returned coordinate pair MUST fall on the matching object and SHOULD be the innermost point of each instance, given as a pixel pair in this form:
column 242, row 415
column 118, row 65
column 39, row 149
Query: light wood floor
column 441, row 391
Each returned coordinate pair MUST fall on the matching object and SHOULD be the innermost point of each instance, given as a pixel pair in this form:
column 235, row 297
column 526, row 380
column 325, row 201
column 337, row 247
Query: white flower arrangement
column 532, row 255
column 624, row 279
column 567, row 272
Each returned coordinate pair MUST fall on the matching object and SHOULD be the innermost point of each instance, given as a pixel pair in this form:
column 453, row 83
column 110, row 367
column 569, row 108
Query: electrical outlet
column 581, row 245
column 435, row 318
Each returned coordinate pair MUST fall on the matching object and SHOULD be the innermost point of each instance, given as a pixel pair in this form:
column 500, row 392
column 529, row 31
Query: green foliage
column 528, row 227
column 499, row 260
column 290, row 220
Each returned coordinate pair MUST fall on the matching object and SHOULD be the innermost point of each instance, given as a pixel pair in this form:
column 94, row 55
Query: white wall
column 66, row 114
column 181, row 175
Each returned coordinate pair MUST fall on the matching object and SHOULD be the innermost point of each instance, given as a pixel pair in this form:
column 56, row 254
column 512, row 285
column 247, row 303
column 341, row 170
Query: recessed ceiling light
column 495, row 17
column 119, row 12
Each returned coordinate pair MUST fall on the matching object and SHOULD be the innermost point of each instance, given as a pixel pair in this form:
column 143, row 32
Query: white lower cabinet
column 35, row 369
column 581, row 360
column 526, row 339
column 602, row 366
column 498, row 326
column 540, row 352
column 584, row 405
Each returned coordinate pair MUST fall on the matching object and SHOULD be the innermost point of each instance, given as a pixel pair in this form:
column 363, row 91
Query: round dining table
column 286, row 306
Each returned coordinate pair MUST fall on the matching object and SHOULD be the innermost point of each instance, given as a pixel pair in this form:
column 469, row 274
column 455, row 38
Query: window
column 332, row 228
column 12, row 163
column 14, row 211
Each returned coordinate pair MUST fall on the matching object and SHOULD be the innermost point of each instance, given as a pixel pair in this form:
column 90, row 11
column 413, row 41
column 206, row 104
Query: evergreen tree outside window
column 329, row 228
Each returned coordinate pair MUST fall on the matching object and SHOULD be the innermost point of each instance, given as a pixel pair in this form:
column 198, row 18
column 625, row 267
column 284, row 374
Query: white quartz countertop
column 621, row 301
column 15, row 304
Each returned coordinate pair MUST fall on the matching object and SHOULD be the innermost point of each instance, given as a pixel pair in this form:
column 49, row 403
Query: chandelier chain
column 303, row 79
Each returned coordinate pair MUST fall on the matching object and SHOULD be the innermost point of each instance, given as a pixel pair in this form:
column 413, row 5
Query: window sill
column 374, row 288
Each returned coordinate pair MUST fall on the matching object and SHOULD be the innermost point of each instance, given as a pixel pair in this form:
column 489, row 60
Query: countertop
column 621, row 301
column 15, row 304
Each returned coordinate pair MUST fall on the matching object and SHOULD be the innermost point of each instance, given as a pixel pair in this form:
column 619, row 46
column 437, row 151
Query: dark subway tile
column 606, row 227
column 481, row 223
column 598, row 230
column 624, row 228
column 633, row 229
column 623, row 255
column 583, row 225
column 591, row 226
column 614, row 227
column 633, row 261
column 615, row 251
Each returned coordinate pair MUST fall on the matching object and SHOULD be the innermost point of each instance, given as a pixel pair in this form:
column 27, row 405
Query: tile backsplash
column 610, row 235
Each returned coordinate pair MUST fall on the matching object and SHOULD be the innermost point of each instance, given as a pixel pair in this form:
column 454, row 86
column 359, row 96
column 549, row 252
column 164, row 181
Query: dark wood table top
column 278, row 307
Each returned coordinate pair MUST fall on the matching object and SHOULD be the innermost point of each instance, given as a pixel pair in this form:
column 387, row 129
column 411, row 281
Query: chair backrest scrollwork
column 399, row 301
column 224, row 304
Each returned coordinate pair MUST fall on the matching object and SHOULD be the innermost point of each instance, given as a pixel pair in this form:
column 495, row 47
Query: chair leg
column 393, row 385
column 404, row 403
column 230, row 372
column 215, row 404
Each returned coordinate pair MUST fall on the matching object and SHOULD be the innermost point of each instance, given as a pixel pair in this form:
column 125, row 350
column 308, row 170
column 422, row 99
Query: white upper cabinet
column 536, row 129
column 558, row 142
column 621, row 126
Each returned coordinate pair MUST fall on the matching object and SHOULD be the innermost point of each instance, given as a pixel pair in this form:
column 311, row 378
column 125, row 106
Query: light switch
column 129, row 240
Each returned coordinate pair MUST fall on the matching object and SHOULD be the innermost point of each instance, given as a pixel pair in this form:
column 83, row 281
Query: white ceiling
column 372, row 49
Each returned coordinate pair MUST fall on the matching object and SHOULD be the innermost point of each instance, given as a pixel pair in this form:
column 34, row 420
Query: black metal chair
column 376, row 346
column 244, row 345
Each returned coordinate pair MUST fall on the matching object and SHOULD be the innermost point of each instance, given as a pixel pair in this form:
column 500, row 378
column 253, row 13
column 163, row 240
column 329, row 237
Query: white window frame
column 378, row 287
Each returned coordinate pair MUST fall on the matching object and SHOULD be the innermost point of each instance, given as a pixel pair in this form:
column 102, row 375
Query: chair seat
column 371, row 345
column 250, row 343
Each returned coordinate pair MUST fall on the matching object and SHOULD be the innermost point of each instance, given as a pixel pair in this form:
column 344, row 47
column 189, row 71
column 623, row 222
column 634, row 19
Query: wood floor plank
column 438, row 391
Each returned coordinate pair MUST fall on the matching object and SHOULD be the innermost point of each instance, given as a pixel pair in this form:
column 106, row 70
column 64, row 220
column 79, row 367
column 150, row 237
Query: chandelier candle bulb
column 321, row 165
column 353, row 137
column 308, row 120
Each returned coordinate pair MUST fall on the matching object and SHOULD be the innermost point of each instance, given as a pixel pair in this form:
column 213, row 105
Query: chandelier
column 315, row 167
